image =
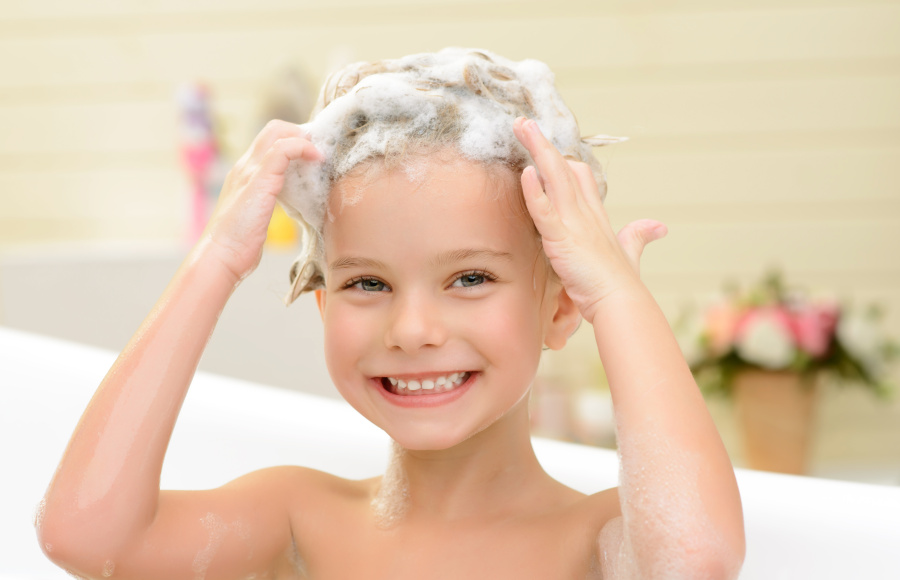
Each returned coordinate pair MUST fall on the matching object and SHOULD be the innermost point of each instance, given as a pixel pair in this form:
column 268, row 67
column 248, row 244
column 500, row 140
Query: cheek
column 347, row 335
column 513, row 329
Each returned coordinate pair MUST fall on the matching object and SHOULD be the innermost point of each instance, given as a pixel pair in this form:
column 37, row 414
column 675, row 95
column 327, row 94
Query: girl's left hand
column 590, row 259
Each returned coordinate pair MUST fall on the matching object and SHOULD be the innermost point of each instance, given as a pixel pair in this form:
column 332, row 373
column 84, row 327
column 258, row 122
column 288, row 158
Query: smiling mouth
column 425, row 385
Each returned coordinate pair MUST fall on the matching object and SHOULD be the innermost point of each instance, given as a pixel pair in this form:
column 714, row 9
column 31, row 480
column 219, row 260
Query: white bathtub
column 797, row 527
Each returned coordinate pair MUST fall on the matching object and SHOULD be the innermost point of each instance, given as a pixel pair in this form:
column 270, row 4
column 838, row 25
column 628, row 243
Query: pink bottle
column 199, row 152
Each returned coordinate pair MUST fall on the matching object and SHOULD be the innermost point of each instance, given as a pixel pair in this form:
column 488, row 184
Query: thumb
column 634, row 236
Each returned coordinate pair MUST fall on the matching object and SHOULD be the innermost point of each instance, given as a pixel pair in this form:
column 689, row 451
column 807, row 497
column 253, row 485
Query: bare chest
column 547, row 548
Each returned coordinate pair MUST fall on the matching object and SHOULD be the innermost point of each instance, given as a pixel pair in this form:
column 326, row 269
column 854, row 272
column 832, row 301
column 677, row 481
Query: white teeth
column 426, row 386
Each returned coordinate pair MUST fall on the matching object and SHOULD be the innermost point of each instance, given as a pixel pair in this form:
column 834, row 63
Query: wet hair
column 398, row 113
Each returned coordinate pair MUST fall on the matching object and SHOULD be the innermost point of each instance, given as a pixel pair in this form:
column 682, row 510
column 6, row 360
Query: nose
column 415, row 322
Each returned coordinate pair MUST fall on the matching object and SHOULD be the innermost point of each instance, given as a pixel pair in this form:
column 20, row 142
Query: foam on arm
column 681, row 511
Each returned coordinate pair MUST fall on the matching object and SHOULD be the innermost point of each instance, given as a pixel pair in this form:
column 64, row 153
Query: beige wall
column 763, row 133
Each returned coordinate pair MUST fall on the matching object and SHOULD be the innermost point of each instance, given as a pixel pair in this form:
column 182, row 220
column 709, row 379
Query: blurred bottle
column 200, row 154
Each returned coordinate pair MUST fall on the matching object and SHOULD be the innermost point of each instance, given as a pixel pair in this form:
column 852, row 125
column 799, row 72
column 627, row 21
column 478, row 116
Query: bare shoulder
column 582, row 514
column 314, row 499
column 316, row 508
column 600, row 506
column 587, row 515
column 304, row 488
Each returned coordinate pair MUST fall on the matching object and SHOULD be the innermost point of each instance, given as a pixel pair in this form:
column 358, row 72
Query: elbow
column 55, row 540
column 730, row 559
column 721, row 569
column 71, row 544
column 722, row 564
column 712, row 558
column 49, row 531
column 59, row 541
column 724, row 553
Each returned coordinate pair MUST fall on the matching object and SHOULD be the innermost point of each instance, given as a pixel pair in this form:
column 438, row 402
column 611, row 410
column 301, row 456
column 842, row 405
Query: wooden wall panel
column 813, row 179
column 139, row 47
column 763, row 133
column 92, row 193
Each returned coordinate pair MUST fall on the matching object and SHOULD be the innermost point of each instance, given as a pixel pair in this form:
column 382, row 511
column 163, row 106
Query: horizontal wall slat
column 94, row 194
column 66, row 160
column 22, row 232
column 832, row 104
column 92, row 8
column 132, row 48
column 767, row 177
column 837, row 246
column 106, row 127
column 638, row 112
column 759, row 213
column 567, row 79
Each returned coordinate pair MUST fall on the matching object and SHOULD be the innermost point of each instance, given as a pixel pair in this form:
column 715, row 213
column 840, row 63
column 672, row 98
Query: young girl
column 455, row 227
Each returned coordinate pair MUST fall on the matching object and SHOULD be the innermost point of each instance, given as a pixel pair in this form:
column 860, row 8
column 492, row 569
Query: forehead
column 447, row 196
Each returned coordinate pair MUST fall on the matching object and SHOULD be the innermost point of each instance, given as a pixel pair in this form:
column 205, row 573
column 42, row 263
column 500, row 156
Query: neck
column 492, row 473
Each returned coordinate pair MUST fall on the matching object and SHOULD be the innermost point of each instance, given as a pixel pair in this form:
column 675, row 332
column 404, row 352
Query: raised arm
column 103, row 513
column 681, row 510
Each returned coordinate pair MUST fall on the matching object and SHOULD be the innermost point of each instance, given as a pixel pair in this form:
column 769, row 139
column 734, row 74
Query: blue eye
column 368, row 285
column 472, row 279
column 469, row 279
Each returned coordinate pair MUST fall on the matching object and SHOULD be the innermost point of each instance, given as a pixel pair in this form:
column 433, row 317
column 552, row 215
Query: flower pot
column 775, row 412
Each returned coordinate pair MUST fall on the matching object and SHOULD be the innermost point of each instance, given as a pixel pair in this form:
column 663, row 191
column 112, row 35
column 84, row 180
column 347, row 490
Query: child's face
column 428, row 281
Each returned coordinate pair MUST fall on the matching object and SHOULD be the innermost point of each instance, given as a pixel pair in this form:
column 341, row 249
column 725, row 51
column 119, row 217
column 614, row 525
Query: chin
column 436, row 437
column 427, row 439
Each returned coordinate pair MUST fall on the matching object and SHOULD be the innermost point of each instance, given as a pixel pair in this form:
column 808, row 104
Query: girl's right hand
column 238, row 226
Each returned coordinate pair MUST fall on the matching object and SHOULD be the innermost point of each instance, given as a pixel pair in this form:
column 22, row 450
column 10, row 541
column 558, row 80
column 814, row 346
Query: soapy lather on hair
column 394, row 110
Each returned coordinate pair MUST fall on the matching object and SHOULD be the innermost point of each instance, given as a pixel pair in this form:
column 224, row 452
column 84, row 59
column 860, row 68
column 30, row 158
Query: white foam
column 39, row 511
column 401, row 98
column 217, row 531
column 391, row 502
column 665, row 529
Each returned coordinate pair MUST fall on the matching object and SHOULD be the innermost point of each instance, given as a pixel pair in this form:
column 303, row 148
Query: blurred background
column 765, row 134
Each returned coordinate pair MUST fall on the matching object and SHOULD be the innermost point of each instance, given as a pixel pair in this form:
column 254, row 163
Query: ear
column 564, row 323
column 320, row 300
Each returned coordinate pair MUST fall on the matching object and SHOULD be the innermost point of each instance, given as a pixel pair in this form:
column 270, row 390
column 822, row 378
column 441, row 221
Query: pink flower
column 813, row 326
column 764, row 337
column 721, row 326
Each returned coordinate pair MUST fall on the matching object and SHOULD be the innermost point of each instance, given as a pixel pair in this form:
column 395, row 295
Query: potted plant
column 768, row 348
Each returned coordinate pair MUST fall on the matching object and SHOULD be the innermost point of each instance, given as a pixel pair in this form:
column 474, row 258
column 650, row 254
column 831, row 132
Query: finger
column 273, row 131
column 559, row 183
column 283, row 151
column 541, row 209
column 588, row 185
column 636, row 235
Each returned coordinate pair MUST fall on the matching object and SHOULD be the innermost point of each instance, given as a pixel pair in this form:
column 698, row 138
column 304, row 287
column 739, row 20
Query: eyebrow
column 443, row 259
column 454, row 256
